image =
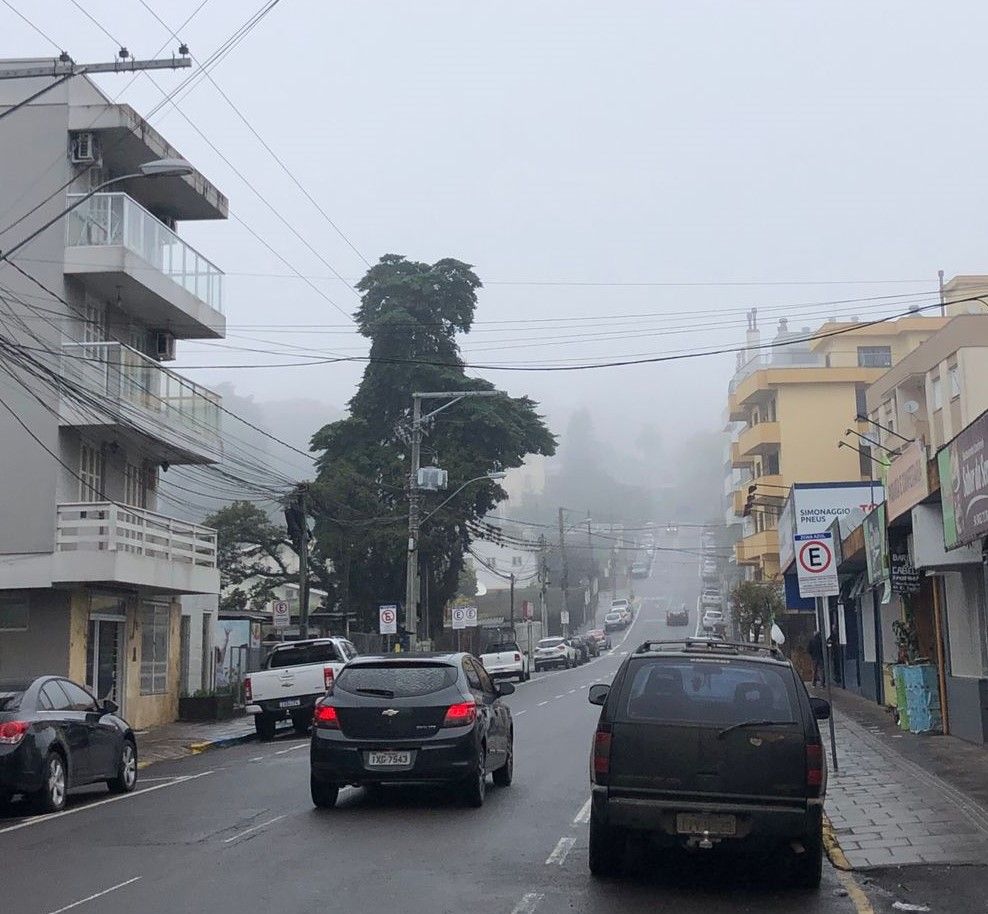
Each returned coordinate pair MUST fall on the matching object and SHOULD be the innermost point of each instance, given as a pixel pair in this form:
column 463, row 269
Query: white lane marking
column 571, row 692
column 559, row 696
column 161, row 777
column 529, row 902
column 563, row 848
column 257, row 758
column 112, row 888
column 37, row 820
column 519, row 713
column 292, row 748
column 543, row 703
column 583, row 816
column 253, row 828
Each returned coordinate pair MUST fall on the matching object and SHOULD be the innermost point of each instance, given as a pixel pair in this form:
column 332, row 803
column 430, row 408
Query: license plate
column 701, row 823
column 388, row 759
column 290, row 703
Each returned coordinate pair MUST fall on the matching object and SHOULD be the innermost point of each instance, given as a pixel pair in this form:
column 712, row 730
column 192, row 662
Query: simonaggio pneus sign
column 963, row 466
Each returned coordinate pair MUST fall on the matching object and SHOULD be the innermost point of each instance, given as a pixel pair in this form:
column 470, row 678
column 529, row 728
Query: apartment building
column 92, row 562
column 790, row 407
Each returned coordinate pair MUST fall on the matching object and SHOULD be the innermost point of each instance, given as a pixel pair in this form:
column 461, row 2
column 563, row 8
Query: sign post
column 281, row 612
column 459, row 615
column 388, row 621
column 817, row 572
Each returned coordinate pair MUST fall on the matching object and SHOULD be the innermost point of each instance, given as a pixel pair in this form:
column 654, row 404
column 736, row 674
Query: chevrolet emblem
column 389, row 712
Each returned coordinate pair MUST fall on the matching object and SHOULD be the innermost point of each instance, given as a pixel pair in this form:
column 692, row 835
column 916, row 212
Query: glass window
column 14, row 612
column 864, row 461
column 874, row 356
column 708, row 692
column 155, row 632
column 937, row 392
column 472, row 676
column 953, row 373
column 91, row 469
column 485, row 680
column 404, row 680
column 44, row 702
column 860, row 400
column 10, row 699
column 56, row 696
column 79, row 698
column 305, row 653
column 501, row 647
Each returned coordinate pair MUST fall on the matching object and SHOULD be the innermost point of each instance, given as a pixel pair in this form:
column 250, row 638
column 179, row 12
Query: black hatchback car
column 709, row 746
column 54, row 736
column 412, row 718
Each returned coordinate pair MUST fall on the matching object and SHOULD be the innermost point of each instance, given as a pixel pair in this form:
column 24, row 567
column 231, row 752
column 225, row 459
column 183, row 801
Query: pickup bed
column 295, row 676
column 504, row 659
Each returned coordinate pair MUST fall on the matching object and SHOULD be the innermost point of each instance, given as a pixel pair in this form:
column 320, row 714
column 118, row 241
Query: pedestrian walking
column 815, row 649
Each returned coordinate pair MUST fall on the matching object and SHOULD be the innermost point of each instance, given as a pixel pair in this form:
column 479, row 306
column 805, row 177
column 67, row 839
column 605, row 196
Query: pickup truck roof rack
column 710, row 646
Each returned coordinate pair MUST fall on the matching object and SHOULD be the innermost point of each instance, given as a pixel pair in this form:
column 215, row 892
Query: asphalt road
column 234, row 831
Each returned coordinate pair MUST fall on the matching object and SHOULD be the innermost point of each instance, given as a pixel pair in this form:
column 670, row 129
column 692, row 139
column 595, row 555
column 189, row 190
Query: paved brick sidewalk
column 180, row 739
column 888, row 810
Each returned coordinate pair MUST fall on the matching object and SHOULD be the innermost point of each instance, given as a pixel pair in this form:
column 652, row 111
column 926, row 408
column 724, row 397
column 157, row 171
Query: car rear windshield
column 550, row 642
column 10, row 700
column 502, row 647
column 619, row 604
column 304, row 653
column 399, row 680
column 707, row 691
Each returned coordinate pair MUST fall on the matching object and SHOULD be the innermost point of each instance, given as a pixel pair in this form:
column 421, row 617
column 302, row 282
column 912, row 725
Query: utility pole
column 411, row 579
column 592, row 573
column 543, row 584
column 564, row 576
column 296, row 519
column 943, row 298
column 512, row 603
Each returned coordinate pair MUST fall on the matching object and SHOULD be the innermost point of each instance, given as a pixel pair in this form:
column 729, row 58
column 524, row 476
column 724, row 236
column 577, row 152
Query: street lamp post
column 157, row 168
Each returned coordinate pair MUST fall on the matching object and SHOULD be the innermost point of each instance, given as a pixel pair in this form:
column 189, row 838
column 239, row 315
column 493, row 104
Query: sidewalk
column 903, row 799
column 178, row 740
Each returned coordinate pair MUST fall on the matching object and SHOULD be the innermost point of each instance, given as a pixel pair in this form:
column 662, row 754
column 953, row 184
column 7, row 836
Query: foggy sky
column 770, row 143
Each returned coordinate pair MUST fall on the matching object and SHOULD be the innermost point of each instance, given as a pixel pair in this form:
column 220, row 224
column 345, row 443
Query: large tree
column 411, row 312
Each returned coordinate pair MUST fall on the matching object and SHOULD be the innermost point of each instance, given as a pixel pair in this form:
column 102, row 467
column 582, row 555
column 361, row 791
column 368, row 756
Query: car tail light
column 326, row 716
column 814, row 768
column 248, row 693
column 517, row 658
column 460, row 715
column 327, row 677
column 12, row 732
column 602, row 754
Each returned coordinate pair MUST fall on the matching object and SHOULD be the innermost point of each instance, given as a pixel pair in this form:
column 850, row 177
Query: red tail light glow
column 248, row 694
column 461, row 715
column 327, row 677
column 601, row 755
column 814, row 768
column 517, row 658
column 13, row 731
column 326, row 716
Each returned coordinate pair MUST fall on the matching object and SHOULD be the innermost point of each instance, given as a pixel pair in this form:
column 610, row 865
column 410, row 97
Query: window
column 14, row 612
column 155, row 626
column 864, row 461
column 94, row 322
column 954, row 374
column 403, row 680
column 56, row 697
column 79, row 698
column 874, row 356
column 472, row 676
column 936, row 392
column 139, row 482
column 860, row 401
column 304, row 653
column 771, row 464
column 486, row 683
column 91, row 468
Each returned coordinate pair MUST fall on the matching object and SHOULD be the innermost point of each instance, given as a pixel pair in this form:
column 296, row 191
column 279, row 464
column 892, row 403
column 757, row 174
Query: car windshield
column 619, row 604
column 707, row 692
column 300, row 654
column 10, row 699
column 550, row 642
column 612, row 617
column 502, row 647
column 396, row 680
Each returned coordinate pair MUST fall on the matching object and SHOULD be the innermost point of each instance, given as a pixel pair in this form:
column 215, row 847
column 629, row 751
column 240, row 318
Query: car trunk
column 392, row 720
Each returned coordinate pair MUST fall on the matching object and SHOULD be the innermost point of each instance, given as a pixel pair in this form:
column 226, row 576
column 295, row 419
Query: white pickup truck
column 504, row 659
column 295, row 676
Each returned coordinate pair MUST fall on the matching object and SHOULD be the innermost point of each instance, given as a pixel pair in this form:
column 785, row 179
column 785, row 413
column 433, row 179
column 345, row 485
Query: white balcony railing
column 164, row 403
column 119, row 220
column 109, row 527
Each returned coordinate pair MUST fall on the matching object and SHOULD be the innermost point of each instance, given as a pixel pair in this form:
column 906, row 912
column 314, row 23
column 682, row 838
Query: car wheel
column 51, row 797
column 301, row 723
column 324, row 795
column 475, row 786
column 264, row 724
column 606, row 849
column 125, row 779
column 807, row 867
column 504, row 774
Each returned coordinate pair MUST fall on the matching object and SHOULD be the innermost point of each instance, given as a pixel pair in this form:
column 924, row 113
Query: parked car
column 412, row 718
column 678, row 617
column 591, row 642
column 504, row 660
column 639, row 570
column 624, row 607
column 672, row 529
column 54, row 735
column 602, row 637
column 709, row 569
column 580, row 649
column 551, row 652
column 614, row 621
column 295, row 676
column 713, row 621
column 710, row 746
column 710, row 597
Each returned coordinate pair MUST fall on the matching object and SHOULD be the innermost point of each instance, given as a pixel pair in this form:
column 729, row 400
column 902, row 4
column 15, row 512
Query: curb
column 832, row 846
column 196, row 748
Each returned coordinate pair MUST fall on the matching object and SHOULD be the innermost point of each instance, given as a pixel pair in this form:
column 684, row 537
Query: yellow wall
column 151, row 710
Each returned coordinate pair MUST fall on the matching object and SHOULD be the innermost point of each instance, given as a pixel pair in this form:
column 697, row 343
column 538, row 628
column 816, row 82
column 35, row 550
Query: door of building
column 104, row 659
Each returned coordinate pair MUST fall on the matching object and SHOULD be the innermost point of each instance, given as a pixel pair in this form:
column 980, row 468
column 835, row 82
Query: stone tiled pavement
column 180, row 739
column 886, row 810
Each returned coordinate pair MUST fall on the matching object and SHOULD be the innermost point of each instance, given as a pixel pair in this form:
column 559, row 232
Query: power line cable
column 34, row 26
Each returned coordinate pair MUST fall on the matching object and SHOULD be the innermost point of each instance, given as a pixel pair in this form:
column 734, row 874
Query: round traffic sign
column 815, row 556
column 459, row 614
column 387, row 616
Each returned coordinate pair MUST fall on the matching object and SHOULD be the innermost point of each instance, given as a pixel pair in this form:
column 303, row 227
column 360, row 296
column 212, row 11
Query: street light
column 488, row 477
column 156, row 168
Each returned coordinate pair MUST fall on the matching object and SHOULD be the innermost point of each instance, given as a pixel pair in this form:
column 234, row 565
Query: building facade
column 92, row 559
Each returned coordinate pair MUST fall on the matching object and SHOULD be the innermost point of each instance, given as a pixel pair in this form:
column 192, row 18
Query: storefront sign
column 907, row 481
column 876, row 545
column 905, row 578
column 963, row 468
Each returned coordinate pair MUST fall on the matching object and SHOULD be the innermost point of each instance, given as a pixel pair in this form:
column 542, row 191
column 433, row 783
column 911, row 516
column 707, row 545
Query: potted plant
column 206, row 704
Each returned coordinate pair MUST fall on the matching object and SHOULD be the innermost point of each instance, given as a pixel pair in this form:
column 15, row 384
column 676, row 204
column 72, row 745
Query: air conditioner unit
column 84, row 147
column 164, row 346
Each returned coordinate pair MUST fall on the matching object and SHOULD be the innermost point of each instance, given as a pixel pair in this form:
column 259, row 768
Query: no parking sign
column 389, row 619
column 815, row 565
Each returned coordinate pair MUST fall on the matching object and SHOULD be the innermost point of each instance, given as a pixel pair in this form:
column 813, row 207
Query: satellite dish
column 911, row 407
column 777, row 636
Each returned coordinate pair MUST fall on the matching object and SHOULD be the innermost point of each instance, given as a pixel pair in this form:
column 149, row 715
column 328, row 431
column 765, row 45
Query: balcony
column 760, row 439
column 738, row 460
column 754, row 549
column 182, row 418
column 125, row 254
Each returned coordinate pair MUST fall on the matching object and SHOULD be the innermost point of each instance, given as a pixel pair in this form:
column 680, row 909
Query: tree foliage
column 411, row 313
column 756, row 605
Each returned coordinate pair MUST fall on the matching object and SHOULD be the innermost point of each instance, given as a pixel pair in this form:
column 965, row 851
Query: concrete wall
column 967, row 708
column 199, row 608
column 44, row 647
column 813, row 418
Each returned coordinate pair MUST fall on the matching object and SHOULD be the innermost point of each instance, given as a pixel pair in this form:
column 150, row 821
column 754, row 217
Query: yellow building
column 791, row 407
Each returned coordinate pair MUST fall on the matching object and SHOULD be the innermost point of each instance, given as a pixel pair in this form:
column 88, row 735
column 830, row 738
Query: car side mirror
column 504, row 688
column 109, row 707
column 598, row 693
column 821, row 708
